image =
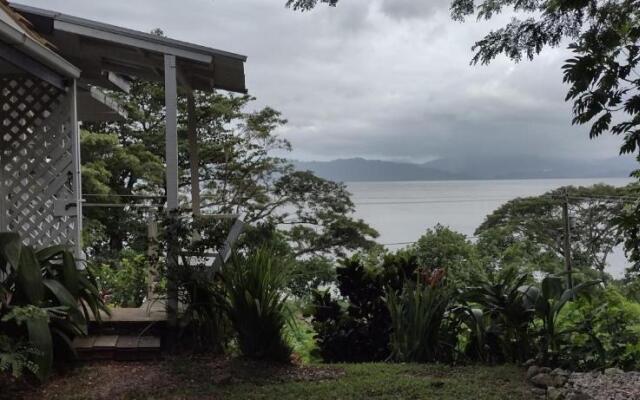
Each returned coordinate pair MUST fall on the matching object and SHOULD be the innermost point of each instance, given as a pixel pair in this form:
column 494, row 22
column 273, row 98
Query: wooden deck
column 124, row 334
column 149, row 312
column 117, row 347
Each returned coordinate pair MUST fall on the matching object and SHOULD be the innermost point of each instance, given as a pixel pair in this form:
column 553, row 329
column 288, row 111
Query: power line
column 415, row 201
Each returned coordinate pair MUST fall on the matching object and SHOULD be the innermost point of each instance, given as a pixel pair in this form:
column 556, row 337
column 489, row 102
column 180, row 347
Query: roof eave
column 69, row 21
column 38, row 52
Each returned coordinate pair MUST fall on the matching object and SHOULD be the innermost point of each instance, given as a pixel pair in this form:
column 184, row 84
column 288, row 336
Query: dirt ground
column 117, row 380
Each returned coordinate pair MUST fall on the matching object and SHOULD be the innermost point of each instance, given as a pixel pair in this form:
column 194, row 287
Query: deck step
column 117, row 347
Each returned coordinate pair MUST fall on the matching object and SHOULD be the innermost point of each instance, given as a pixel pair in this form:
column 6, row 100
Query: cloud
column 374, row 78
column 413, row 9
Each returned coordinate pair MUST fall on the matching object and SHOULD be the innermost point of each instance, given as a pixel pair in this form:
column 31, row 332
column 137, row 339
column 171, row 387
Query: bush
column 417, row 315
column 204, row 325
column 44, row 302
column 300, row 335
column 256, row 305
column 355, row 327
column 602, row 331
column 506, row 316
column 16, row 357
column 124, row 283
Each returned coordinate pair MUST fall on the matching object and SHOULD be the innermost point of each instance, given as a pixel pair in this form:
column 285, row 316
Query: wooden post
column 152, row 258
column 567, row 240
column 194, row 156
column 171, row 121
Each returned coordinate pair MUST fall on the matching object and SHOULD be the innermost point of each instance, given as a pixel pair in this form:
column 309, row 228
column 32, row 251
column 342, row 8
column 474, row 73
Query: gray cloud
column 374, row 78
column 412, row 9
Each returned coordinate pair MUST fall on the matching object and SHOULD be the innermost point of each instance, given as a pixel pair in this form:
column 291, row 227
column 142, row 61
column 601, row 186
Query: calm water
column 461, row 205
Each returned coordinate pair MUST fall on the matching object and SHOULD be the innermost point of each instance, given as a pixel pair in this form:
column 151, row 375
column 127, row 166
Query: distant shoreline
column 468, row 169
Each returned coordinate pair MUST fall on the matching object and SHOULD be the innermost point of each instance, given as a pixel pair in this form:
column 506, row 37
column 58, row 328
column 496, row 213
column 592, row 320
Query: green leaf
column 40, row 337
column 70, row 274
column 552, row 287
column 10, row 248
column 67, row 300
column 30, row 276
column 50, row 252
column 60, row 292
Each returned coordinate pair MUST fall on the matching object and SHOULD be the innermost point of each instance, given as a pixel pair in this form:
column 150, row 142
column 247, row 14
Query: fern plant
column 16, row 357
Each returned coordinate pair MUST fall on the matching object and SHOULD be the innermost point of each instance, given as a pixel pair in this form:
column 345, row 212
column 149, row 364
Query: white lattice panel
column 36, row 160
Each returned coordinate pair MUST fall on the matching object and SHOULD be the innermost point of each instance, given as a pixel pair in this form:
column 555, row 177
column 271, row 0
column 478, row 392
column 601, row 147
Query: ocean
column 402, row 211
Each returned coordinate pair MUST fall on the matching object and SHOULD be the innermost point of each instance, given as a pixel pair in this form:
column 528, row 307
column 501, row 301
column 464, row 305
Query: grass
column 207, row 378
column 385, row 381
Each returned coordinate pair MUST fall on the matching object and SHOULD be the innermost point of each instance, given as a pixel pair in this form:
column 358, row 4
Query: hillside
column 507, row 167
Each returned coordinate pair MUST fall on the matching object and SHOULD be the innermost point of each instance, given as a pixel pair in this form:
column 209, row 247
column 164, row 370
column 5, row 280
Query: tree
column 443, row 248
column 237, row 171
column 306, row 5
column 529, row 232
column 628, row 223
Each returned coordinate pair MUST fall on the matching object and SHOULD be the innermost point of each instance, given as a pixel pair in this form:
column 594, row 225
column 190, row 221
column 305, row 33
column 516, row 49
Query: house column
column 171, row 143
column 77, row 170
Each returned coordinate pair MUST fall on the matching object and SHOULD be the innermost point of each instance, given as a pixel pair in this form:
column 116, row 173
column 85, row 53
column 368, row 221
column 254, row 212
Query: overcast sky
column 387, row 79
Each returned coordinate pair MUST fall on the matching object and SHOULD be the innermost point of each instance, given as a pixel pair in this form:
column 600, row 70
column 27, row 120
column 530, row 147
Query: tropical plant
column 508, row 314
column 476, row 346
column 355, row 326
column 603, row 330
column 203, row 323
column 256, row 304
column 44, row 299
column 123, row 282
column 548, row 301
column 417, row 315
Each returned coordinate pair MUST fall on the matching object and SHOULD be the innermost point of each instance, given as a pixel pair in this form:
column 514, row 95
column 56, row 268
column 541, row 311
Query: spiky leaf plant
column 417, row 314
column 256, row 304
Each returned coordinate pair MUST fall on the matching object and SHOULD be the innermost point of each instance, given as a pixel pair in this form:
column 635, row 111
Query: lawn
column 202, row 378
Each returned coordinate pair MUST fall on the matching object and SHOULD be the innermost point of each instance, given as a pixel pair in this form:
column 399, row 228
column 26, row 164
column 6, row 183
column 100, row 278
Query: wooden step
column 117, row 347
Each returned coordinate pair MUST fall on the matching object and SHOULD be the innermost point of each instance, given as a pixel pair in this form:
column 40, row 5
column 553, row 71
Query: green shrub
column 256, row 304
column 355, row 327
column 548, row 301
column 417, row 315
column 507, row 316
column 602, row 331
column 203, row 324
column 16, row 357
column 300, row 335
column 44, row 300
column 124, row 282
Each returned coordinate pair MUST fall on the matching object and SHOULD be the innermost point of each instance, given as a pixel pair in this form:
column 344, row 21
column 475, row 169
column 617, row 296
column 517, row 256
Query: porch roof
column 106, row 52
column 17, row 35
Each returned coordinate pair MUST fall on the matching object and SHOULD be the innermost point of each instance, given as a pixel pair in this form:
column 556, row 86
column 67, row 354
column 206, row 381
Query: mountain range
column 469, row 168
